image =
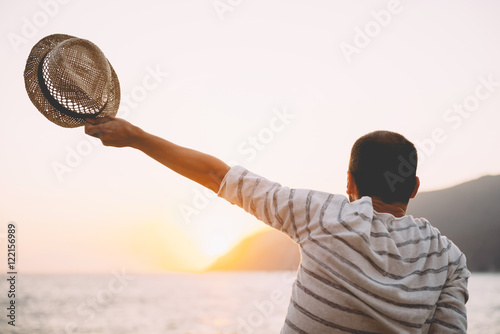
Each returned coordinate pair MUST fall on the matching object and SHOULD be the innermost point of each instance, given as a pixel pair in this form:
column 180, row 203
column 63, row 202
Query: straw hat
column 69, row 79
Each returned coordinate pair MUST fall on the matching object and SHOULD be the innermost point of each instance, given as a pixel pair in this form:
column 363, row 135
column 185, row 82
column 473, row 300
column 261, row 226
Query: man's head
column 383, row 165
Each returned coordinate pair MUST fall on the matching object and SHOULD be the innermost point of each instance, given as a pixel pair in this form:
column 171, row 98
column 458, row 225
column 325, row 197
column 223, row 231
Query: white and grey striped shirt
column 361, row 271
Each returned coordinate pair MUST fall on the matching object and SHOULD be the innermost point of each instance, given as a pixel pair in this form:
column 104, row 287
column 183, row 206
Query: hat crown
column 78, row 75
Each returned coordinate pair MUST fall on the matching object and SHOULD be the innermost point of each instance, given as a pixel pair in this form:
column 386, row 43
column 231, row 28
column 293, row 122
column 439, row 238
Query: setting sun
column 218, row 244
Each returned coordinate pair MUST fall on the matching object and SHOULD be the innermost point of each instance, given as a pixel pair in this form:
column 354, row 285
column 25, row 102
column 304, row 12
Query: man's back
column 361, row 271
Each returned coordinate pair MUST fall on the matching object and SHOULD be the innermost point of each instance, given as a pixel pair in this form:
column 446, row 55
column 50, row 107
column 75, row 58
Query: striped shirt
column 361, row 271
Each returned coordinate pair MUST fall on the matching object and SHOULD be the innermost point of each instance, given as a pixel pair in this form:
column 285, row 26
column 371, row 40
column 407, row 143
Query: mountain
column 468, row 214
column 268, row 250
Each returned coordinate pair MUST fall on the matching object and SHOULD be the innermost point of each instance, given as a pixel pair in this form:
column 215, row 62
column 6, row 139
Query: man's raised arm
column 197, row 166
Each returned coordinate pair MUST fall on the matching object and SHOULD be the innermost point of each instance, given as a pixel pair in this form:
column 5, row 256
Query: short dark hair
column 384, row 165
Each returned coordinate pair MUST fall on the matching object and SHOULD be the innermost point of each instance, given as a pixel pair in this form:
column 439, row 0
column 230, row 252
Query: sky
column 283, row 88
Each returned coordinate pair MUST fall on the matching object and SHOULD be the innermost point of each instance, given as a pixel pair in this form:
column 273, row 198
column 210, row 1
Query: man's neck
column 395, row 209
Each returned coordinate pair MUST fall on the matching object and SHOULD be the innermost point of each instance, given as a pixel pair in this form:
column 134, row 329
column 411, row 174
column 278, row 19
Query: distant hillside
column 268, row 250
column 468, row 214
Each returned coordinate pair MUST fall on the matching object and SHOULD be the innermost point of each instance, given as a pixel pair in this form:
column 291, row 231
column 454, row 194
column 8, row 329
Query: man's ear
column 417, row 185
column 352, row 190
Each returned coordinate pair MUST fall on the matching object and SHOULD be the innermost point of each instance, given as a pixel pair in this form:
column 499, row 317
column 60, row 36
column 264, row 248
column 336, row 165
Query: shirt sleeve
column 451, row 315
column 279, row 207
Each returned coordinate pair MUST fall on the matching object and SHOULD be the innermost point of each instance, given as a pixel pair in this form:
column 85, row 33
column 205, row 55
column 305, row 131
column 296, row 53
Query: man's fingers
column 96, row 134
column 99, row 120
column 93, row 130
column 91, row 121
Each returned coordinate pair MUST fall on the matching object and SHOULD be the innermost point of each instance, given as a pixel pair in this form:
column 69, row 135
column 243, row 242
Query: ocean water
column 213, row 303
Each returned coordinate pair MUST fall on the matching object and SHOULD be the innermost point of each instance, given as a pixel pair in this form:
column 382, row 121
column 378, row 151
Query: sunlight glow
column 217, row 245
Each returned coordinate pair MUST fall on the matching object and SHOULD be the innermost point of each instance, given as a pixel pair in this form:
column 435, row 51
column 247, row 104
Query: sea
column 181, row 303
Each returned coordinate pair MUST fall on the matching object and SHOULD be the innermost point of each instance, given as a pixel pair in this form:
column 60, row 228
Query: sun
column 218, row 244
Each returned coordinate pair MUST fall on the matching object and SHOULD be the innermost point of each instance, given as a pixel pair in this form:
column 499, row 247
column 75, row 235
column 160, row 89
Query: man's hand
column 113, row 131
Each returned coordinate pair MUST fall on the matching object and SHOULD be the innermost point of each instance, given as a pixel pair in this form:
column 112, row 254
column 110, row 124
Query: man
column 367, row 267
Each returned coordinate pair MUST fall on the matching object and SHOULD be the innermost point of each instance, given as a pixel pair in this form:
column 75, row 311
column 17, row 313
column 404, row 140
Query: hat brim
column 36, row 95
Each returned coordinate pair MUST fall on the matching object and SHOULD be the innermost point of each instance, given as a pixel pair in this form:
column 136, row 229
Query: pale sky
column 283, row 88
